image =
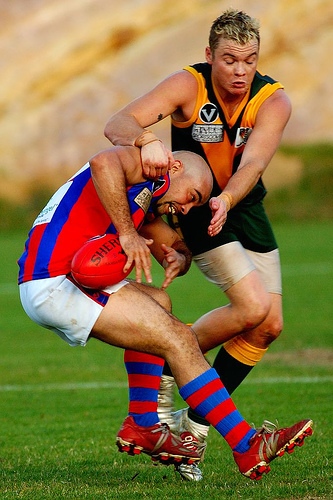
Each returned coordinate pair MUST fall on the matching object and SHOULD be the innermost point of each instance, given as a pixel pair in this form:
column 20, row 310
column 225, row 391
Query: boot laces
column 267, row 427
column 164, row 430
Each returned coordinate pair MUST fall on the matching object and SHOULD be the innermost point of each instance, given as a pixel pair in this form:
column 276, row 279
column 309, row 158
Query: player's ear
column 177, row 166
column 209, row 55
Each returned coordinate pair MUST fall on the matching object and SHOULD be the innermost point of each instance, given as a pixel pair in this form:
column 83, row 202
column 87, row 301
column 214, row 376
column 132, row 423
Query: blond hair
column 234, row 25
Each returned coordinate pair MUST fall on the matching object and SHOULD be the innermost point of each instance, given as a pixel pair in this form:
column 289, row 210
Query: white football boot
column 165, row 400
column 182, row 423
column 179, row 423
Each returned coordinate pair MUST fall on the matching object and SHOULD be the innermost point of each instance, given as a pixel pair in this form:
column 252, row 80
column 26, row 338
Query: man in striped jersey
column 135, row 316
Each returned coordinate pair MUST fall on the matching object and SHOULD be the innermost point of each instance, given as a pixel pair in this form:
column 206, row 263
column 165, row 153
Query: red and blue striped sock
column 144, row 377
column 209, row 398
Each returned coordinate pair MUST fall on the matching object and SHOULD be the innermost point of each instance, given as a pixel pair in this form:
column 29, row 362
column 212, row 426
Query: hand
column 156, row 160
column 219, row 213
column 173, row 263
column 137, row 251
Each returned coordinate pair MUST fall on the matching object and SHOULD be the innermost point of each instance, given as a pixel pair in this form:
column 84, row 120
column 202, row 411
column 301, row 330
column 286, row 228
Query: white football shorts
column 59, row 305
column 227, row 264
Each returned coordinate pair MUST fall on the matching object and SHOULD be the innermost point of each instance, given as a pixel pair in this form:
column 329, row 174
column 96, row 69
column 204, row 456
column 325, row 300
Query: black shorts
column 247, row 224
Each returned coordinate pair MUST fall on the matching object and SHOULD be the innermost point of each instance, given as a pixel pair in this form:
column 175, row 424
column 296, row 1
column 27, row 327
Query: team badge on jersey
column 208, row 131
column 143, row 199
column 243, row 133
column 158, row 185
column 208, row 113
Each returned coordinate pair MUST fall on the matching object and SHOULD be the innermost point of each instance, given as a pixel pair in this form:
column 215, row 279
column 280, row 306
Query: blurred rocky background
column 67, row 65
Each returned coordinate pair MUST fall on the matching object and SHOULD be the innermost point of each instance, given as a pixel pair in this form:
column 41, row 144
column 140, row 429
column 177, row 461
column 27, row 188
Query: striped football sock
column 209, row 398
column 144, row 377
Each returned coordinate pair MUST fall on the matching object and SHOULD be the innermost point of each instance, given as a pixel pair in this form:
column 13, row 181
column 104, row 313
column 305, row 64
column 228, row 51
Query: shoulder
column 277, row 103
column 125, row 158
column 180, row 89
column 181, row 83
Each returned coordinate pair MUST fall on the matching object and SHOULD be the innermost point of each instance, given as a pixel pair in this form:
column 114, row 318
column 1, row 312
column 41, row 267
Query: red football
column 99, row 262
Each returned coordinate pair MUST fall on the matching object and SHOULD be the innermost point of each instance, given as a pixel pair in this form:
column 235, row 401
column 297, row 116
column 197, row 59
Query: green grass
column 310, row 198
column 57, row 431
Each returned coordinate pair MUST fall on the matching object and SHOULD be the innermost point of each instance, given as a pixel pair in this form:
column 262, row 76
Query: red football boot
column 158, row 442
column 269, row 443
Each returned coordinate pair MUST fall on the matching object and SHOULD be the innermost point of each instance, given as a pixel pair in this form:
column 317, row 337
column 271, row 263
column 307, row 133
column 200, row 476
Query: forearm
column 110, row 184
column 123, row 129
column 240, row 185
column 261, row 145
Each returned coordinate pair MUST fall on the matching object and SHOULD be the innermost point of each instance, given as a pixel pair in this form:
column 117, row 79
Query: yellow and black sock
column 233, row 363
column 235, row 360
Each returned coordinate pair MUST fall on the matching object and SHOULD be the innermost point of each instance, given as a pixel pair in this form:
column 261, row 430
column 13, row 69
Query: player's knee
column 269, row 331
column 256, row 312
column 163, row 299
column 274, row 329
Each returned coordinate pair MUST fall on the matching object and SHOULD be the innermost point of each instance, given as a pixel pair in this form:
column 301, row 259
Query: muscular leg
column 237, row 357
column 267, row 331
column 232, row 325
column 144, row 372
column 134, row 320
column 249, row 305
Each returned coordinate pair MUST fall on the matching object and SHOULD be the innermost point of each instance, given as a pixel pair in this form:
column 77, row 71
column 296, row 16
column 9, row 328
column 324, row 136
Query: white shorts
column 59, row 305
column 227, row 264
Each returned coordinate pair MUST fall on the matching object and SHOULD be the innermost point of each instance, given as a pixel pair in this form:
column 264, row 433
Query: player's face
column 233, row 66
column 181, row 197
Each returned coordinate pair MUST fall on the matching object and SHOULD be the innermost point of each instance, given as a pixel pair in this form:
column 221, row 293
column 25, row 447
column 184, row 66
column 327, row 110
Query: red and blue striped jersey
column 73, row 215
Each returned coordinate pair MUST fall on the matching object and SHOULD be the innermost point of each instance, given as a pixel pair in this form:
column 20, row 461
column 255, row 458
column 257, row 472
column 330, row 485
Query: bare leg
column 134, row 320
column 267, row 331
column 249, row 305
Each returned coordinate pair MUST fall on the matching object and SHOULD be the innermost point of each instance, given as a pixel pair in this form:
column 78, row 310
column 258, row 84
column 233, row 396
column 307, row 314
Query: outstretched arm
column 262, row 144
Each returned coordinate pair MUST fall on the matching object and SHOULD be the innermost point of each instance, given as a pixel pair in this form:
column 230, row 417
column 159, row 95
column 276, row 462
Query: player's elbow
column 97, row 162
column 108, row 129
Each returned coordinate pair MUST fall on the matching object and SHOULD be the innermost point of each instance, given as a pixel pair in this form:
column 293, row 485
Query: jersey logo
column 207, row 133
column 48, row 212
column 143, row 199
column 243, row 133
column 158, row 185
column 208, row 113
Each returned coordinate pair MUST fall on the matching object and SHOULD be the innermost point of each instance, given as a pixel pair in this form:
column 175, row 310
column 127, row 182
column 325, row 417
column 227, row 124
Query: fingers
column 156, row 159
column 219, row 214
column 214, row 230
column 170, row 158
column 172, row 263
column 137, row 251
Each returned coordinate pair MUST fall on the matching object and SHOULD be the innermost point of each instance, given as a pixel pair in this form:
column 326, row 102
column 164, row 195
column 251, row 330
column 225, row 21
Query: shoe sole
column 262, row 468
column 162, row 457
column 189, row 472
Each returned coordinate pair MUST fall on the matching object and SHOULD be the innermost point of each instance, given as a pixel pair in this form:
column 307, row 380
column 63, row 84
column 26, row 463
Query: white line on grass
column 63, row 387
column 124, row 385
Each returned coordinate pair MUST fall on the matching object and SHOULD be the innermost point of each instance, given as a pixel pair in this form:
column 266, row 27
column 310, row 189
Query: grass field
column 60, row 408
